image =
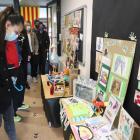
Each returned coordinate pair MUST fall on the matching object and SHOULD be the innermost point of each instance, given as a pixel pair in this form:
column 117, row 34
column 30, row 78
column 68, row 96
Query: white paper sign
column 63, row 21
column 111, row 111
column 106, row 61
column 99, row 44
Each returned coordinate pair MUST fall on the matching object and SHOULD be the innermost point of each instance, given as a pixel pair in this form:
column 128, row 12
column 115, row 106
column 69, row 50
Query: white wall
column 69, row 5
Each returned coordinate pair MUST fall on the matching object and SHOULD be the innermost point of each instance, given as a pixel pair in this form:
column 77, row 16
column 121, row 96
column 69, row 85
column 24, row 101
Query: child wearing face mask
column 33, row 43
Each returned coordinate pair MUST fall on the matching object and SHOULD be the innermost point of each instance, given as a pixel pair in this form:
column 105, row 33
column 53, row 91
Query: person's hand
column 36, row 53
column 29, row 57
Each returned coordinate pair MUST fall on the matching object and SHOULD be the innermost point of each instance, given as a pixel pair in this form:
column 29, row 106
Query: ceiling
column 26, row 2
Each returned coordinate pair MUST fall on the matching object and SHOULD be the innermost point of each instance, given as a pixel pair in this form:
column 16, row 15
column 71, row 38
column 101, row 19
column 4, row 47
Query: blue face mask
column 41, row 28
column 11, row 37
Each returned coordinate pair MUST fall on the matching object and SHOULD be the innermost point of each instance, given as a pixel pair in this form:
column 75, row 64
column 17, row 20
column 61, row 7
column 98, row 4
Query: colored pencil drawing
column 125, row 125
column 83, row 132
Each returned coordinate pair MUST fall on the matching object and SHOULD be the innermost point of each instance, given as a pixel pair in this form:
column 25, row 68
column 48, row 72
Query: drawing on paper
column 98, row 61
column 112, row 137
column 105, row 51
column 125, row 125
column 84, row 92
column 77, row 20
column 137, row 98
column 101, row 95
column 97, row 126
column 120, row 65
column 109, row 55
column 83, row 132
column 99, row 44
column 119, row 42
column 132, row 51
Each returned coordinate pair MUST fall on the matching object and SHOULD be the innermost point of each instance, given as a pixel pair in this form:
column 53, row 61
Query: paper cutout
column 132, row 37
column 119, row 42
column 106, row 61
column 106, row 34
column 99, row 44
column 138, row 77
column 101, row 95
column 115, row 83
column 132, row 51
column 121, row 65
column 105, row 51
column 98, row 61
column 104, row 77
column 125, row 125
column 111, row 111
column 138, row 85
column 110, row 43
column 125, row 48
column 137, row 98
column 83, row 132
column 77, row 20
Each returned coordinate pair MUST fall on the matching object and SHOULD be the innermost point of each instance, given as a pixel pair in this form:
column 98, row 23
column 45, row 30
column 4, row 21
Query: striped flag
column 30, row 14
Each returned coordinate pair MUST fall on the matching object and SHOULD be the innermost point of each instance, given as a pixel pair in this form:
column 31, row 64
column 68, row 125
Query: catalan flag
column 30, row 14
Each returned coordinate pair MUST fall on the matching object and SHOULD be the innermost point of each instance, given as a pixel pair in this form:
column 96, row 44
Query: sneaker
column 17, row 118
column 34, row 79
column 24, row 106
column 27, row 86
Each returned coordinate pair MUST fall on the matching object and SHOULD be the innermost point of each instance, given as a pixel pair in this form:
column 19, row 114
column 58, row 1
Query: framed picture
column 117, row 87
column 103, row 79
column 121, row 65
column 84, row 92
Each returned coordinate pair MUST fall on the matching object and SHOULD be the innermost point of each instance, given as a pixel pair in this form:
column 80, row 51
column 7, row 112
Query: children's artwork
column 111, row 111
column 104, row 131
column 121, row 65
column 125, row 48
column 110, row 43
column 106, row 60
column 138, row 85
column 71, row 20
column 95, row 120
column 77, row 20
column 111, row 137
column 105, row 51
column 125, row 125
column 138, row 77
column 101, row 95
column 63, row 21
column 103, row 79
column 66, row 33
column 137, row 98
column 72, row 100
column 99, row 44
column 83, row 132
column 71, row 137
column 98, row 61
column 117, row 87
column 97, row 126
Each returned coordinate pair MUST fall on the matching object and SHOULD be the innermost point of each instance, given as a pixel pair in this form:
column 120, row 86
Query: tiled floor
column 34, row 125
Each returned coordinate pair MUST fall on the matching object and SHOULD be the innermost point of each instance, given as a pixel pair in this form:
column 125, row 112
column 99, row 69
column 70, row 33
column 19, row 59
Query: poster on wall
column 99, row 44
column 98, row 61
column 71, row 20
column 111, row 111
column 63, row 21
column 137, row 98
column 121, row 65
column 77, row 20
column 117, row 87
column 125, row 125
column 103, row 79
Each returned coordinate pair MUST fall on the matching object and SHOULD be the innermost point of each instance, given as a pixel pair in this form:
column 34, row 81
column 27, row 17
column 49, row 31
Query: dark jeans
column 9, row 125
column 24, row 66
column 34, row 65
column 42, row 60
column 18, row 88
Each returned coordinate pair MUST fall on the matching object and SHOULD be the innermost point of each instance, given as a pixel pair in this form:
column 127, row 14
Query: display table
column 51, row 103
column 69, row 116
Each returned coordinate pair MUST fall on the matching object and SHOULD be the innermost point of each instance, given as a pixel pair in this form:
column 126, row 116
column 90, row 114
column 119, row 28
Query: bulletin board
column 115, row 68
column 118, row 18
column 80, row 57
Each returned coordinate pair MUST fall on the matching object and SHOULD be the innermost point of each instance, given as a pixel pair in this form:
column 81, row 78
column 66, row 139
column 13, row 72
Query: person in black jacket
column 11, row 24
column 44, row 43
column 25, row 53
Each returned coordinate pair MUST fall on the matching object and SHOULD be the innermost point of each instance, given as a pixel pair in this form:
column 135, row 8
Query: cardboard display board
column 117, row 56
